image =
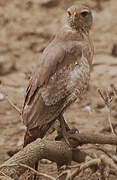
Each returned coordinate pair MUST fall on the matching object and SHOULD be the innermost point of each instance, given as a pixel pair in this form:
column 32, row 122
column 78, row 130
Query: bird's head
column 79, row 17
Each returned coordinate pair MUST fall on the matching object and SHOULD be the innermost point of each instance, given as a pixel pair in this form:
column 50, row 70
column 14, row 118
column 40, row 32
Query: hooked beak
column 75, row 16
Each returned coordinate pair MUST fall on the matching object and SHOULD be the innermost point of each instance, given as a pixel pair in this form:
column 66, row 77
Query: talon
column 74, row 131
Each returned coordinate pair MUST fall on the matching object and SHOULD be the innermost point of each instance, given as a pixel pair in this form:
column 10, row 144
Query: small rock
column 22, row 127
column 88, row 109
column 20, row 142
column 22, row 89
column 114, row 50
column 2, row 141
column 8, row 113
column 1, row 97
column 48, row 3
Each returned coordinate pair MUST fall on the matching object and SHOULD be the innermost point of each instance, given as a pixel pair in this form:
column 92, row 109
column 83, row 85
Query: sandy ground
column 26, row 28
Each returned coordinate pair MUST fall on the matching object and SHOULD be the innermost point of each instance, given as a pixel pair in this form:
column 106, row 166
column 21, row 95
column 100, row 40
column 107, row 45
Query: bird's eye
column 69, row 13
column 84, row 13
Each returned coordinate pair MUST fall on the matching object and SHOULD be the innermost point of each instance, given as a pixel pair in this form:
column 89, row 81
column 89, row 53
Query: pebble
column 2, row 141
column 8, row 113
column 2, row 97
column 22, row 89
column 22, row 127
column 20, row 142
column 88, row 109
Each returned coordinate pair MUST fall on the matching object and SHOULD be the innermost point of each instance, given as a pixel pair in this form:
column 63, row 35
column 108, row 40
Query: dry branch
column 108, row 100
column 102, row 161
column 82, row 138
column 56, row 151
column 89, row 164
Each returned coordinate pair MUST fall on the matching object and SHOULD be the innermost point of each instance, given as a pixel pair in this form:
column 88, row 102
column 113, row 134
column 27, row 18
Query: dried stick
column 5, row 177
column 107, row 129
column 109, row 162
column 28, row 167
column 82, row 138
column 89, row 164
column 102, row 161
column 36, row 172
column 107, row 100
column 113, row 172
column 113, row 157
column 13, row 105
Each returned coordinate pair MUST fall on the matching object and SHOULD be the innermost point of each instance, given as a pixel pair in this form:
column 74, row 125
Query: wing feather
column 52, row 56
column 47, row 90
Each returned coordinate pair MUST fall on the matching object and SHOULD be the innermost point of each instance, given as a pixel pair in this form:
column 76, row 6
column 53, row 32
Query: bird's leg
column 36, row 168
column 65, row 132
column 64, row 128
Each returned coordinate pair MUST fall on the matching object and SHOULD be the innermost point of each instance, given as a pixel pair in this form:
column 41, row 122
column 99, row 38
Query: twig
column 113, row 157
column 28, row 167
column 4, row 175
column 13, row 105
column 89, row 164
column 109, row 162
column 105, row 151
column 109, row 119
column 102, row 168
column 113, row 172
column 102, row 161
column 107, row 129
column 68, row 175
column 36, row 172
column 107, row 100
column 75, row 166
column 63, row 173
column 93, row 138
column 114, row 89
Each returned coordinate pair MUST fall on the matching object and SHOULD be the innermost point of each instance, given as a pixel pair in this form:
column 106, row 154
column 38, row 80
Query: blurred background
column 26, row 28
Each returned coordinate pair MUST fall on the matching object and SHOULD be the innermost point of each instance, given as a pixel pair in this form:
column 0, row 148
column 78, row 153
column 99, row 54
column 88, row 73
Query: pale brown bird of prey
column 61, row 76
